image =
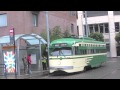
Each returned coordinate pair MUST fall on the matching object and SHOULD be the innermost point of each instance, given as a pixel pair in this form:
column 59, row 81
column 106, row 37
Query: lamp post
column 48, row 37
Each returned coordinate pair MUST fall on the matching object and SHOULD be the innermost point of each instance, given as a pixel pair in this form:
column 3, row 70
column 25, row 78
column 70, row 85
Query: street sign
column 11, row 33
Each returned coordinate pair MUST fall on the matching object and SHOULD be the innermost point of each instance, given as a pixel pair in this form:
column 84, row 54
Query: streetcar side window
column 89, row 49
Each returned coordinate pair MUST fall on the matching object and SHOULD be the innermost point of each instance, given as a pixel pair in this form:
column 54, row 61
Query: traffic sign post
column 12, row 41
column 12, row 36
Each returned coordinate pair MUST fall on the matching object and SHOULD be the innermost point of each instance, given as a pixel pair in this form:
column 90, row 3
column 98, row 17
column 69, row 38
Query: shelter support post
column 41, row 68
column 1, row 58
column 18, row 62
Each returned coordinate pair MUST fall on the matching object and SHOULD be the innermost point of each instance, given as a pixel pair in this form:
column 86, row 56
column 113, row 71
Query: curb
column 28, row 76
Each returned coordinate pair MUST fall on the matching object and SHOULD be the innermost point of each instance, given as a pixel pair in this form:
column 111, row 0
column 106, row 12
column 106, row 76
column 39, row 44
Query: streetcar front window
column 61, row 52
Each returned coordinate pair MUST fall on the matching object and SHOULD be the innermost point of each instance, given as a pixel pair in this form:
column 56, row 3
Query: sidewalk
column 28, row 76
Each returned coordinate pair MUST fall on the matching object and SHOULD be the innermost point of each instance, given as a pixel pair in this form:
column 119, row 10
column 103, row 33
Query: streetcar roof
column 71, row 41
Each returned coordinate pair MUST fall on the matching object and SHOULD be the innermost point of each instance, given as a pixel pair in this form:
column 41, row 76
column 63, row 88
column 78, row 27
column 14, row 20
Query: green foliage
column 55, row 33
column 117, row 38
column 98, row 36
column 66, row 33
column 43, row 35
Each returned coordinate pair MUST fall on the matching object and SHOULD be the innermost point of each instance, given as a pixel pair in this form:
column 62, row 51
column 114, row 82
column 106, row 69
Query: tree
column 98, row 36
column 66, row 33
column 55, row 33
column 43, row 35
column 117, row 38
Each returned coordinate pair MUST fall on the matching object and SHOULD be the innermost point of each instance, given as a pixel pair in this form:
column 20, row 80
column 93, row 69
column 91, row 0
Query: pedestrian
column 29, row 63
column 24, row 59
column 45, row 53
column 44, row 63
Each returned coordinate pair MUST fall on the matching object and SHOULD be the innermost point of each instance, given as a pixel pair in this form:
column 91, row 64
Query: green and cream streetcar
column 76, row 54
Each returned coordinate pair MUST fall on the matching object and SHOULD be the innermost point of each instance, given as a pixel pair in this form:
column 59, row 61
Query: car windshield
column 61, row 52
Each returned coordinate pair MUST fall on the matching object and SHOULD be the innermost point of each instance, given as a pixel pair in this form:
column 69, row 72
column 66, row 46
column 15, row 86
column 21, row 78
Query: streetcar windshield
column 61, row 52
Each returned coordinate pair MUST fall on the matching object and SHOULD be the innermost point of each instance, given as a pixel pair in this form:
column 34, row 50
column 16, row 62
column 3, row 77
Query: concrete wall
column 80, row 23
column 112, row 34
column 110, row 18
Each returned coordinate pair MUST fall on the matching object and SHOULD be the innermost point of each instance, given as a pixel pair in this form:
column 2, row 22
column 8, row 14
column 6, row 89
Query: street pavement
column 110, row 70
column 26, row 76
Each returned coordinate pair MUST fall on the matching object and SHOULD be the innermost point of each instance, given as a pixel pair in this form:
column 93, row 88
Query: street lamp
column 48, row 37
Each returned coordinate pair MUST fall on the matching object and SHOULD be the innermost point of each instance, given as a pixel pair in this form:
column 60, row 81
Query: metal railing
column 3, row 70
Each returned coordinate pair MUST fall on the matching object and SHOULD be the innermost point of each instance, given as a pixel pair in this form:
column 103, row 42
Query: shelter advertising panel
column 9, row 61
column 33, row 59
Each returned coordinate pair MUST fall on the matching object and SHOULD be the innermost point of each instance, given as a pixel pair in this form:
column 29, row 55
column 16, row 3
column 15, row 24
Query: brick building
column 26, row 22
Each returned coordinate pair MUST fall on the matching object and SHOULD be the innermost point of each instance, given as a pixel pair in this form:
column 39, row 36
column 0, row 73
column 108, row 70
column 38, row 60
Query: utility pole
column 86, row 25
column 48, row 37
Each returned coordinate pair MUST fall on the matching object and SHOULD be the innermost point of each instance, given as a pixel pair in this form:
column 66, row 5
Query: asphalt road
column 110, row 70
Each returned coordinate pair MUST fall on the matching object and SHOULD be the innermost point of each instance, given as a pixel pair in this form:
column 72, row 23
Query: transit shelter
column 23, row 42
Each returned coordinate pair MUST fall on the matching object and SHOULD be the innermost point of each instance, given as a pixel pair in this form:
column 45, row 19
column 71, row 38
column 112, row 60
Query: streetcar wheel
column 85, row 68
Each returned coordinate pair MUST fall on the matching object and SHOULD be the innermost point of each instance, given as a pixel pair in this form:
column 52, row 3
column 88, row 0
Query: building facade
column 26, row 22
column 106, row 22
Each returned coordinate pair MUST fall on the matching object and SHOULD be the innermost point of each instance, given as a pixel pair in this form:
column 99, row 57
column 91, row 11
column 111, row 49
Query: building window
column 116, row 26
column 72, row 13
column 76, row 14
column 96, row 27
column 3, row 20
column 85, row 32
column 72, row 28
column 101, row 28
column 91, row 28
column 108, row 47
column 78, row 30
column 96, row 13
column 35, row 20
column 106, row 40
column 106, row 28
column 116, row 12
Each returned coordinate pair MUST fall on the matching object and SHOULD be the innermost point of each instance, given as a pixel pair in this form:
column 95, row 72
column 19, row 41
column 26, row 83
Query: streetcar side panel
column 68, row 65
column 98, row 60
